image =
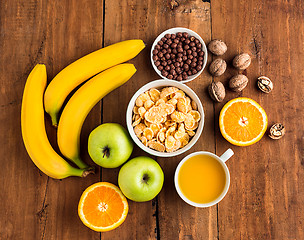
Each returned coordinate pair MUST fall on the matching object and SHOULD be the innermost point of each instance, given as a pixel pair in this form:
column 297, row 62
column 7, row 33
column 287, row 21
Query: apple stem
column 106, row 152
column 145, row 178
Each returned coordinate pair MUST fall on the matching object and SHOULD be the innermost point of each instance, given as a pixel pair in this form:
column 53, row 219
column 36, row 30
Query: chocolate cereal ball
column 178, row 56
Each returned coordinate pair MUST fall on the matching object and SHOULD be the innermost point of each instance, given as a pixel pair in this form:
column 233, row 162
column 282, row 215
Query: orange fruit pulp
column 242, row 121
column 102, row 207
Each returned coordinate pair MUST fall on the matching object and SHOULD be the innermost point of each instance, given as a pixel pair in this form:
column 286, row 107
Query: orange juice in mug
column 202, row 179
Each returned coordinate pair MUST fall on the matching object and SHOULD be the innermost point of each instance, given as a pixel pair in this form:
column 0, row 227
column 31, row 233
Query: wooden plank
column 150, row 19
column 21, row 198
column 125, row 20
column 177, row 219
column 55, row 33
column 72, row 33
column 265, row 198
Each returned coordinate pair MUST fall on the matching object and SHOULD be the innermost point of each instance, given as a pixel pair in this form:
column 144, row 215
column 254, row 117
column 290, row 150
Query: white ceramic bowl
column 174, row 31
column 158, row 84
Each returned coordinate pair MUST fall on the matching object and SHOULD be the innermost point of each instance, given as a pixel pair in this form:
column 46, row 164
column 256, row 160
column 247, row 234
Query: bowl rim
column 176, row 30
column 161, row 83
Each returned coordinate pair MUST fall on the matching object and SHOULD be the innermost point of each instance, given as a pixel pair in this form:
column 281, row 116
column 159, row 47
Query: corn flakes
column 154, row 94
column 148, row 104
column 165, row 120
column 180, row 132
column 178, row 94
column 141, row 112
column 189, row 121
column 160, row 136
column 160, row 101
column 142, row 99
column 194, row 126
column 169, row 108
column 168, row 91
column 196, row 115
column 136, row 120
column 176, row 146
column 194, row 105
column 155, row 128
column 178, row 116
column 172, row 101
column 153, row 115
column 190, row 133
column 138, row 129
column 170, row 130
column 144, row 140
column 148, row 133
column 184, row 140
column 182, row 105
column 156, row 146
column 135, row 109
column 169, row 142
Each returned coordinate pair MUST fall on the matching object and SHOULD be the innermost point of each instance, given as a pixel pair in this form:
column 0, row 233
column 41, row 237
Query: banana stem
column 54, row 119
column 80, row 172
column 87, row 172
column 80, row 163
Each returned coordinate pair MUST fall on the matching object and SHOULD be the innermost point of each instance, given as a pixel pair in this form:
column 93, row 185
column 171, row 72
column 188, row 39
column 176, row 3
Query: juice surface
column 202, row 179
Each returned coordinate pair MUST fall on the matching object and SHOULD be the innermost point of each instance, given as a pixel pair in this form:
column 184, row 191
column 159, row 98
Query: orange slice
column 243, row 121
column 102, row 207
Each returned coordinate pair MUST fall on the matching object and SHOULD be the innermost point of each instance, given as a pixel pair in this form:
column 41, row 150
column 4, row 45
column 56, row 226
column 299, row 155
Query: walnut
column 238, row 82
column 217, row 47
column 217, row 67
column 173, row 4
column 265, row 84
column 242, row 61
column 277, row 131
column 217, row 91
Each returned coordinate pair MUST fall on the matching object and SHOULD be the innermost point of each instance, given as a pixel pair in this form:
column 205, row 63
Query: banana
column 84, row 68
column 81, row 103
column 33, row 129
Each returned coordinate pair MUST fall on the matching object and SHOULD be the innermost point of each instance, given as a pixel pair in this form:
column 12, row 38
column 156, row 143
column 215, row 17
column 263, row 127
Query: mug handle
column 226, row 155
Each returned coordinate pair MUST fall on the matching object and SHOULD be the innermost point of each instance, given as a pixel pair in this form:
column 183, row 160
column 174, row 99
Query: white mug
column 222, row 159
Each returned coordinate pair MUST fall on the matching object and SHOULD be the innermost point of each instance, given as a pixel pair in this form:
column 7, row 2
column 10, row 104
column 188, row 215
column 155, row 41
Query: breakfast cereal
column 165, row 120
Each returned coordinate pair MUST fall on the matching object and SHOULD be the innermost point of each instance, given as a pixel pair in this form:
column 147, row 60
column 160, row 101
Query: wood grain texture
column 125, row 20
column 178, row 220
column 55, row 33
column 265, row 198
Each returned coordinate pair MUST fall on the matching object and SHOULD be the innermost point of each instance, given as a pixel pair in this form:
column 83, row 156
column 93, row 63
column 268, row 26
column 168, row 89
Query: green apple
column 110, row 145
column 141, row 179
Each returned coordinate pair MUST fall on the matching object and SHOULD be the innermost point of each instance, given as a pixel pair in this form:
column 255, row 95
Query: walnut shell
column 277, row 131
column 265, row 84
column 217, row 91
column 217, row 47
column 242, row 61
column 238, row 82
column 217, row 67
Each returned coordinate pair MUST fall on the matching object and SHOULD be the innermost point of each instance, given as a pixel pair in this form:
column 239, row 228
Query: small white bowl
column 158, row 84
column 174, row 31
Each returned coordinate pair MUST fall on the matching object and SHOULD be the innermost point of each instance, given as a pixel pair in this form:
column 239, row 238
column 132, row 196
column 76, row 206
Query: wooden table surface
column 266, row 195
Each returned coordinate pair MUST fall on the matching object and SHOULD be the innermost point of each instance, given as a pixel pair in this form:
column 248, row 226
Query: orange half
column 243, row 121
column 102, row 207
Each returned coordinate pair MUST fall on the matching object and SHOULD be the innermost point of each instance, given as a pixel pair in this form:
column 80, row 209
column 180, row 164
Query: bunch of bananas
column 111, row 73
